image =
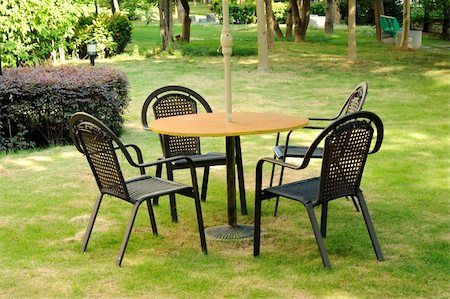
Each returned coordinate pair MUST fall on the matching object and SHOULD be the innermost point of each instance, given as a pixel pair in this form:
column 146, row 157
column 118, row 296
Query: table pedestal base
column 227, row 232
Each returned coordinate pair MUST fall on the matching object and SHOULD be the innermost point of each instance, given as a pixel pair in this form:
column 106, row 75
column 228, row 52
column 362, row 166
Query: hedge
column 36, row 103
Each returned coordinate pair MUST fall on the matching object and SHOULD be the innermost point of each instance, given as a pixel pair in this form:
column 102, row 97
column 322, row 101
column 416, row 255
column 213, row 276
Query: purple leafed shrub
column 36, row 103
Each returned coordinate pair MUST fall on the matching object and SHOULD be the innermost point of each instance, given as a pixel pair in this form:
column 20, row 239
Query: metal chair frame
column 99, row 144
column 347, row 144
column 177, row 100
column 354, row 103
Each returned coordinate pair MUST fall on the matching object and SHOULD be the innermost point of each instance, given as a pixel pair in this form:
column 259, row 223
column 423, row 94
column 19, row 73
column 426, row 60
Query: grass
column 46, row 195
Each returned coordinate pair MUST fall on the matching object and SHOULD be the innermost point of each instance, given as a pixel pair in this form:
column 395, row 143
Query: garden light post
column 92, row 51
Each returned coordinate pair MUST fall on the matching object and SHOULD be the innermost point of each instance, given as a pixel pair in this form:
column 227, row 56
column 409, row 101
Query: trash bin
column 414, row 39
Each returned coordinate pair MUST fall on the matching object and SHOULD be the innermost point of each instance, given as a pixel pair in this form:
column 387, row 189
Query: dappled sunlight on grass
column 386, row 69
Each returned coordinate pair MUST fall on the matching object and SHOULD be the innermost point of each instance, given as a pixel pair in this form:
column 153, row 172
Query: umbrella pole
column 226, row 41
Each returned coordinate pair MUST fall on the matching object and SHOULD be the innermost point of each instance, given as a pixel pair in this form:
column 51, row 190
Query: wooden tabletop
column 215, row 124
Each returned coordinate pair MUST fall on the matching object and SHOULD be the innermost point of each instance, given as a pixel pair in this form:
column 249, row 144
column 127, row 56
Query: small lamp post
column 92, row 51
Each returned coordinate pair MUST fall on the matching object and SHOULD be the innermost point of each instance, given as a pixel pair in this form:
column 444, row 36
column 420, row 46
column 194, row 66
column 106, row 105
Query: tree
column 270, row 20
column 351, row 30
column 114, row 6
column 405, row 26
column 166, row 23
column 263, row 61
column 445, row 5
column 289, row 17
column 301, row 19
column 329, row 17
column 378, row 11
column 186, row 25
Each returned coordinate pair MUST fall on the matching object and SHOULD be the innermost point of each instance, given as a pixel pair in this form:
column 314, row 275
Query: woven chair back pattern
column 346, row 150
column 99, row 150
column 173, row 105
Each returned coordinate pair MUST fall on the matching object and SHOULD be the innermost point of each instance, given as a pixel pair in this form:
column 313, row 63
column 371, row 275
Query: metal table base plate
column 227, row 232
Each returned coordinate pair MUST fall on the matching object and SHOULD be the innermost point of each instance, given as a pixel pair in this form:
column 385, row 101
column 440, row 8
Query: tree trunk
column 378, row 11
column 165, row 23
column 297, row 21
column 263, row 60
column 289, row 21
column 179, row 12
column 114, row 6
column 276, row 28
column 445, row 24
column 305, row 12
column 186, row 31
column 329, row 17
column 351, row 30
column 270, row 24
column 405, row 26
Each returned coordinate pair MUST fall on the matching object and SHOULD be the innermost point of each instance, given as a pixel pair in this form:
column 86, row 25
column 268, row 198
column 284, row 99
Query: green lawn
column 46, row 195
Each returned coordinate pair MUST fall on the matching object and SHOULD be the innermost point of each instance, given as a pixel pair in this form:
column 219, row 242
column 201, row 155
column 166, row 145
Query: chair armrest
column 259, row 169
column 138, row 154
column 280, row 163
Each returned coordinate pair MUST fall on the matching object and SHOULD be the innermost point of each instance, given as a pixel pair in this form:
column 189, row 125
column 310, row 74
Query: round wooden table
column 216, row 125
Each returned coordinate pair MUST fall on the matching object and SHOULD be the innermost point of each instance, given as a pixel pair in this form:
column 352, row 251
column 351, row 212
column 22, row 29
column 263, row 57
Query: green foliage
column 244, row 13
column 365, row 12
column 36, row 103
column 280, row 11
column 120, row 27
column 31, row 29
column 318, row 8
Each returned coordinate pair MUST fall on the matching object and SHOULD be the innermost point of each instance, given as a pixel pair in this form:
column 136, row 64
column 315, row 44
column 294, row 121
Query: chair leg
column 126, row 237
column 355, row 203
column 158, row 175
column 370, row 228
column 205, row 183
column 201, row 228
column 317, row 234
column 91, row 222
column 240, row 173
column 257, row 228
column 152, row 216
column 173, row 203
column 323, row 219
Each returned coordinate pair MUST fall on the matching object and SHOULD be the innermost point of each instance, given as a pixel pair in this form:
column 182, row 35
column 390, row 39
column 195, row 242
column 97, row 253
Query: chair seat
column 143, row 187
column 305, row 191
column 297, row 151
column 209, row 159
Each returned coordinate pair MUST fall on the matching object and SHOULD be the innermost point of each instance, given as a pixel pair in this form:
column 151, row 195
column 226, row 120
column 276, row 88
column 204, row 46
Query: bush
column 318, row 8
column 280, row 11
column 244, row 13
column 36, row 103
column 121, row 29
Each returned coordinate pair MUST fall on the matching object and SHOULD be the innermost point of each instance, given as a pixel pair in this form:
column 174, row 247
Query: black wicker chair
column 99, row 144
column 177, row 100
column 353, row 103
column 347, row 143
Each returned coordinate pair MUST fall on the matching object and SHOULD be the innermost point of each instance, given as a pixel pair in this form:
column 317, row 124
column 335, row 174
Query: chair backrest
column 96, row 141
column 355, row 101
column 171, row 101
column 347, row 144
column 389, row 25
